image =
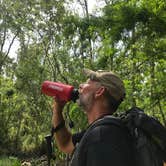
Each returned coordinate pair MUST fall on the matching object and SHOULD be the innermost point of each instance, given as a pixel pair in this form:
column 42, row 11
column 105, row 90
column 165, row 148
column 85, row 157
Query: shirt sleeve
column 77, row 137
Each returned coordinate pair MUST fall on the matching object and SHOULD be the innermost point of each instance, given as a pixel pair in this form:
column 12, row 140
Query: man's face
column 87, row 94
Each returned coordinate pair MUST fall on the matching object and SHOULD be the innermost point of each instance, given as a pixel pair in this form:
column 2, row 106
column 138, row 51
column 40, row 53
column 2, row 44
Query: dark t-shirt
column 104, row 145
column 77, row 137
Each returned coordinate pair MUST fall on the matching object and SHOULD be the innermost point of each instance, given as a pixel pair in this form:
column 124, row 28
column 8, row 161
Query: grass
column 9, row 161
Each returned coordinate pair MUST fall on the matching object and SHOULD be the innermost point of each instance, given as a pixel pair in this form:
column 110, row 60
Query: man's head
column 114, row 90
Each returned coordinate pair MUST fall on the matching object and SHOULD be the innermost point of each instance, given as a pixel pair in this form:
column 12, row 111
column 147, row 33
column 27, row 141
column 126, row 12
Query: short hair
column 113, row 104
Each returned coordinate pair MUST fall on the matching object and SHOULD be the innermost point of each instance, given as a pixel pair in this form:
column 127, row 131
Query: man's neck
column 98, row 111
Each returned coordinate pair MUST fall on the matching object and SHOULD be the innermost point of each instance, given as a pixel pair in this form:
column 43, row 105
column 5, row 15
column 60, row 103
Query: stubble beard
column 86, row 101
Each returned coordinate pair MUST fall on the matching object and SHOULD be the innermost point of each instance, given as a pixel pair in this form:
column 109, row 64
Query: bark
column 133, row 52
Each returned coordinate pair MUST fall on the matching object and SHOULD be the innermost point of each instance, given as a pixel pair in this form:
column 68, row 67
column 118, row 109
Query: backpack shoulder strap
column 106, row 120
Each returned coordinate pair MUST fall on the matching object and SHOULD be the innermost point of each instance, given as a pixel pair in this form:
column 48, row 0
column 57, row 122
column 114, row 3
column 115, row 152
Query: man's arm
column 63, row 136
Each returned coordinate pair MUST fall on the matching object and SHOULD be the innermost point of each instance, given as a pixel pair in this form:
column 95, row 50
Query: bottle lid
column 74, row 95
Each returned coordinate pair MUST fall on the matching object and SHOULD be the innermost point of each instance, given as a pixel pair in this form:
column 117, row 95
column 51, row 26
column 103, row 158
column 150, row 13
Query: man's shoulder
column 105, row 129
column 104, row 138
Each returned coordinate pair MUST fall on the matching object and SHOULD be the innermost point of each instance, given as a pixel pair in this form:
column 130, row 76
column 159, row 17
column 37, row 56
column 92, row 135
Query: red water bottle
column 59, row 90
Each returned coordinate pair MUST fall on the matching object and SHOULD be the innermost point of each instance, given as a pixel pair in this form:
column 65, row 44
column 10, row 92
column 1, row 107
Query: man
column 104, row 145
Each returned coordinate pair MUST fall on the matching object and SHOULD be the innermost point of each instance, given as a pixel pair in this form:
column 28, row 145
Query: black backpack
column 148, row 135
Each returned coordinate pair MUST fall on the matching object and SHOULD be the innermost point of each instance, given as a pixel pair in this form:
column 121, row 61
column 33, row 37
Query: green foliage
column 128, row 37
column 11, row 161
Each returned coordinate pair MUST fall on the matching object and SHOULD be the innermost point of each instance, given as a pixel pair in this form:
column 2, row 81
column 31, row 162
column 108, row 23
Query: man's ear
column 99, row 91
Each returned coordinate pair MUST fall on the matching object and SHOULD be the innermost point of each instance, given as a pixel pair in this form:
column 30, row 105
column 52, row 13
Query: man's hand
column 58, row 105
column 57, row 116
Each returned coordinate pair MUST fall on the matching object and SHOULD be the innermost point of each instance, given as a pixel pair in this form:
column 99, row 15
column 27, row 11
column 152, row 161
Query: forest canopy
column 58, row 38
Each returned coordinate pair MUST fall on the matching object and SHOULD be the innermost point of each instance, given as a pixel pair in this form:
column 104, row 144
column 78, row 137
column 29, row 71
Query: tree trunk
column 133, row 52
column 152, row 77
column 18, row 131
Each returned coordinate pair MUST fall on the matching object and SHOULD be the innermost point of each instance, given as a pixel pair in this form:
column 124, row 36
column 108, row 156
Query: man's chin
column 78, row 101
